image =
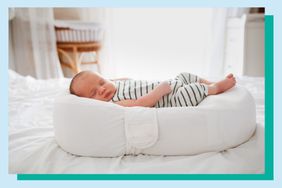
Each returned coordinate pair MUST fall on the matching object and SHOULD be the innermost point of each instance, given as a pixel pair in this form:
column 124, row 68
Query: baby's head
column 92, row 85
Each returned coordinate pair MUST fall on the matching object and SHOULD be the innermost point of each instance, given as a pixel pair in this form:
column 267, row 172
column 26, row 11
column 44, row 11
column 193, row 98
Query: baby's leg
column 187, row 78
column 204, row 81
column 192, row 94
column 189, row 95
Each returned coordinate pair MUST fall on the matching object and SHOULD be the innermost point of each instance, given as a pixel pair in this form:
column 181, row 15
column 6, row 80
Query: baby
column 185, row 90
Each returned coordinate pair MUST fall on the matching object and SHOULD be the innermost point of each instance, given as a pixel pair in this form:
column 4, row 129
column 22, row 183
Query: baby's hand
column 164, row 88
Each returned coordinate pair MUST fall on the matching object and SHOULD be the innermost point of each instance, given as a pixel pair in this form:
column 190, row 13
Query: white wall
column 158, row 43
column 254, row 46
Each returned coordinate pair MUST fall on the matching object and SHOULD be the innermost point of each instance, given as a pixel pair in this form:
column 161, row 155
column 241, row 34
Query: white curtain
column 216, row 43
column 33, row 42
column 217, row 39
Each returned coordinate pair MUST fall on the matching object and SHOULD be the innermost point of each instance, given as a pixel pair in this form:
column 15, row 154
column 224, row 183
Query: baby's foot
column 230, row 75
column 223, row 85
column 209, row 82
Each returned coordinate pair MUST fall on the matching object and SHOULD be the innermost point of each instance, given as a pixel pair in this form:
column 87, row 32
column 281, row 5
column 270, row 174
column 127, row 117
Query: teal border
column 268, row 175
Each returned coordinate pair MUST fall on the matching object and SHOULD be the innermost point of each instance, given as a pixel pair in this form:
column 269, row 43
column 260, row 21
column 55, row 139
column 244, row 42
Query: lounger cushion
column 88, row 127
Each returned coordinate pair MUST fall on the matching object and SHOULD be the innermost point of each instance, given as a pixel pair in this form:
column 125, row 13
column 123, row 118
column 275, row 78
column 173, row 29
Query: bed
column 33, row 149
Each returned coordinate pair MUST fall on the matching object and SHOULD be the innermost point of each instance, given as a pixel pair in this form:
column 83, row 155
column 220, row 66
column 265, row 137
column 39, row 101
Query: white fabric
column 33, row 149
column 33, row 43
column 102, row 129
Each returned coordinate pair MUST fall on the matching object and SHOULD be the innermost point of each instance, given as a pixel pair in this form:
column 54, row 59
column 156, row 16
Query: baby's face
column 91, row 85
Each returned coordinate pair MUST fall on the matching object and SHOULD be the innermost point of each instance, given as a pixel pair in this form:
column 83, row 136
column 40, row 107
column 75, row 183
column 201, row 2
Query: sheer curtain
column 34, row 44
column 214, row 66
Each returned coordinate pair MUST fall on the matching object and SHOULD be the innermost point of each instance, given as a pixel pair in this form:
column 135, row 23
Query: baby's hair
column 76, row 77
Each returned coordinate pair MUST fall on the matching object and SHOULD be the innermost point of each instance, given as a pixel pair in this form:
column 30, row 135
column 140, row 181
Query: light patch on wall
column 159, row 43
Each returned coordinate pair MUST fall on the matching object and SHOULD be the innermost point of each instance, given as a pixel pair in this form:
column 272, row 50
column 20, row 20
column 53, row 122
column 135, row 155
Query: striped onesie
column 186, row 91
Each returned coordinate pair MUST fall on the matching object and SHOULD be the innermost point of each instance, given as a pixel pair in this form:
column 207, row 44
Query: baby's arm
column 150, row 99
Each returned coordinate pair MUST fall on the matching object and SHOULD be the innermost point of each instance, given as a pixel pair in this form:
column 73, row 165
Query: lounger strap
column 141, row 129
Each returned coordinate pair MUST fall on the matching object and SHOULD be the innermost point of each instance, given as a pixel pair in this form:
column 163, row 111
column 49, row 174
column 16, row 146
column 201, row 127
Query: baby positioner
column 89, row 127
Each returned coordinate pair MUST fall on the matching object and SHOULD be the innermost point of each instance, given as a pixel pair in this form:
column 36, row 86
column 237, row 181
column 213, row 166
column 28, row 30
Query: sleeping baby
column 185, row 90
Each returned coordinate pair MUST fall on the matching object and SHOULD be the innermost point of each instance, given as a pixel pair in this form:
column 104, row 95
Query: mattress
column 33, row 149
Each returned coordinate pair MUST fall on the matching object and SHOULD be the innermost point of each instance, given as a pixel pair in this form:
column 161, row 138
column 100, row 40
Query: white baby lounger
column 89, row 127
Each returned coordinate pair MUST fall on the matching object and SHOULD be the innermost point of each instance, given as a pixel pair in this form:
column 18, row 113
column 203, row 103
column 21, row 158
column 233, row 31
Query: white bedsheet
column 32, row 147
